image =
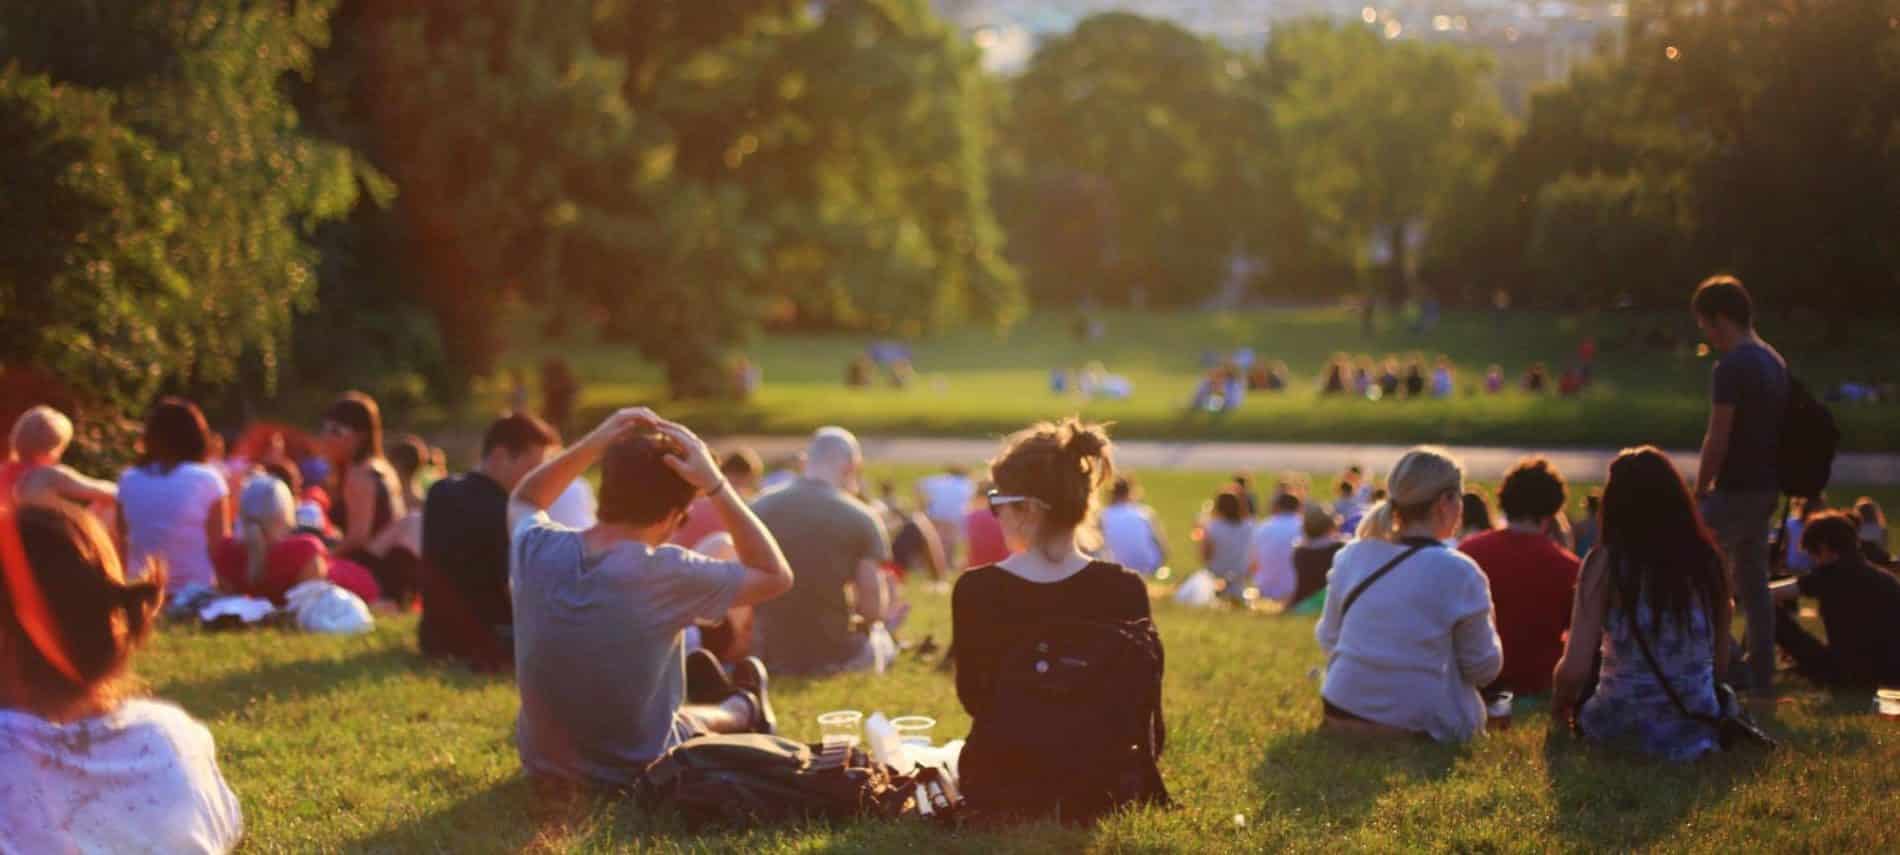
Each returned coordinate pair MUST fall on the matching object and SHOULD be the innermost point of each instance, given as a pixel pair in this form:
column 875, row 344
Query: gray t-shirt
column 1753, row 379
column 598, row 652
column 824, row 533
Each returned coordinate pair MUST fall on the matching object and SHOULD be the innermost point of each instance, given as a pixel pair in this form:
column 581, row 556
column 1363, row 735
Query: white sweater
column 1418, row 643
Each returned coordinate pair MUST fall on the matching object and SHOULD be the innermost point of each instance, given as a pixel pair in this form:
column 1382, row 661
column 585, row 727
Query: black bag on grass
column 752, row 779
column 1077, row 710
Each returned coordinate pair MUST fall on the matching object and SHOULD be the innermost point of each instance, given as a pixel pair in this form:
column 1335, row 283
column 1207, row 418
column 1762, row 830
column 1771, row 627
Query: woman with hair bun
column 1407, row 628
column 87, row 767
column 1047, row 482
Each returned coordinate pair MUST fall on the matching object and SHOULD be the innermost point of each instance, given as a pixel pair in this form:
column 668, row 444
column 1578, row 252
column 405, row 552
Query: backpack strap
column 1376, row 576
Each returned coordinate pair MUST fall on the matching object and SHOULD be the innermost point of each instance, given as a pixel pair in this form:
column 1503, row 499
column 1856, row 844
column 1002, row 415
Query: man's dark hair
column 1346, row 489
column 636, row 485
column 1122, row 491
column 1723, row 296
column 1836, row 531
column 742, row 463
column 1593, row 502
column 519, row 432
column 1532, row 490
column 1285, row 503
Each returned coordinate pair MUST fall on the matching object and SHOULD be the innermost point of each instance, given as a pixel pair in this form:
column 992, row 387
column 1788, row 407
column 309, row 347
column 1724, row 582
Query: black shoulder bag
column 1733, row 725
column 1378, row 574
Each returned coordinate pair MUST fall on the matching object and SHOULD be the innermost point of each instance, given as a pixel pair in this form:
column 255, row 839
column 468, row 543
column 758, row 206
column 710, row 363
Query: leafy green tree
column 1137, row 150
column 199, row 169
column 1599, row 238
column 1380, row 134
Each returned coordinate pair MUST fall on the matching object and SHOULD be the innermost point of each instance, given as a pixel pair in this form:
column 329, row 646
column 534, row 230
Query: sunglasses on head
column 998, row 500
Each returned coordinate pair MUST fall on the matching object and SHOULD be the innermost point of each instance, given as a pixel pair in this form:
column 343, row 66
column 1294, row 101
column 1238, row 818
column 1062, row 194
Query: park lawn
column 355, row 744
column 978, row 382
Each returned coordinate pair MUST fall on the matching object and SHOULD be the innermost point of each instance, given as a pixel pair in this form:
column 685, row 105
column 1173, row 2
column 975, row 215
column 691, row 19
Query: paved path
column 1483, row 463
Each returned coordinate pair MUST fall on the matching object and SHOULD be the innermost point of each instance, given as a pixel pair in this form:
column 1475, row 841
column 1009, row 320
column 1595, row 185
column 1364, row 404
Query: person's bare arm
column 1207, row 547
column 868, row 585
column 218, row 523
column 937, row 559
column 72, row 486
column 1714, row 447
column 1724, row 617
column 538, row 491
column 1586, row 635
column 359, row 496
column 768, row 574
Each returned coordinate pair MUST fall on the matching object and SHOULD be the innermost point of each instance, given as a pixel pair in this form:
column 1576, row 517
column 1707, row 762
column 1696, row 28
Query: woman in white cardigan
column 1407, row 629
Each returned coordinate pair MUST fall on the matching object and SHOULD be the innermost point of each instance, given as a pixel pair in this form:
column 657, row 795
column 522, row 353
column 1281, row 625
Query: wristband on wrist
column 723, row 484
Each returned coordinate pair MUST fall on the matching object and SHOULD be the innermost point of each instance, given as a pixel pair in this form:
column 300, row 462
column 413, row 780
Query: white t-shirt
column 576, row 507
column 1128, row 532
column 165, row 518
column 1271, row 554
column 1417, row 644
column 946, row 496
column 142, row 778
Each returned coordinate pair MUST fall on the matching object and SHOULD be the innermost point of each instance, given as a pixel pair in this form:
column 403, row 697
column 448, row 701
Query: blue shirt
column 598, row 651
column 1753, row 379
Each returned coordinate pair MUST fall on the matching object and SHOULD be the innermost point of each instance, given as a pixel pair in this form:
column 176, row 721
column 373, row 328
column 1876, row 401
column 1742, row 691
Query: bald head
column 833, row 456
column 41, row 434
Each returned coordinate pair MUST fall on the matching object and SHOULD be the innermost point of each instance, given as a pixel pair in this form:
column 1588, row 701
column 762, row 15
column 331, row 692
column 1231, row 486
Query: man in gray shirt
column 1737, row 480
column 599, row 613
column 839, row 548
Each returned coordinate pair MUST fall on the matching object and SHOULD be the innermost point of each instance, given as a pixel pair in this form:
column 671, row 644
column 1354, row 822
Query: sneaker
column 706, row 681
column 750, row 676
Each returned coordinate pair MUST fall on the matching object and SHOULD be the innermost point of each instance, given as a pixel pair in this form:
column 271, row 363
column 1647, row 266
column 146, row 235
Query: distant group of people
column 656, row 611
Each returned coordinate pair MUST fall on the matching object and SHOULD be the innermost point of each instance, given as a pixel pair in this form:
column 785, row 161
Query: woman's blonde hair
column 264, row 501
column 1420, row 478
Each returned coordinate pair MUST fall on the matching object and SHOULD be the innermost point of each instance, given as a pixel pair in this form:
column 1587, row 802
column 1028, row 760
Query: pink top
column 287, row 559
column 702, row 521
column 984, row 533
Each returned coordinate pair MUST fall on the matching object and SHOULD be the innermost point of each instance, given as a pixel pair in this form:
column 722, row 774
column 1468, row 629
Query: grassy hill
column 977, row 382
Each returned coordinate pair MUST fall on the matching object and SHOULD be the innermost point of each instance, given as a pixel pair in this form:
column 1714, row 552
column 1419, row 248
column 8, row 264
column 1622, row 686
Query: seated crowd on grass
column 655, row 613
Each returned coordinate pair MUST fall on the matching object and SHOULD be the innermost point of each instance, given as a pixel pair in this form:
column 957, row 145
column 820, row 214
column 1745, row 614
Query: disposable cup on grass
column 914, row 730
column 841, row 729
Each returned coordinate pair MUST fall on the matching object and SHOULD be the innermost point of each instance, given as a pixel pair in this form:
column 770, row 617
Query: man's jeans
column 1741, row 521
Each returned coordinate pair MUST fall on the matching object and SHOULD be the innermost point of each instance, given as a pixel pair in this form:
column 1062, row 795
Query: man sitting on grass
column 1858, row 606
column 599, row 613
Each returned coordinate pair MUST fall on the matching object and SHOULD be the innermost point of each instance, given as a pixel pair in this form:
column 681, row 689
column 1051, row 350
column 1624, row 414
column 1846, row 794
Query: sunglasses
column 998, row 501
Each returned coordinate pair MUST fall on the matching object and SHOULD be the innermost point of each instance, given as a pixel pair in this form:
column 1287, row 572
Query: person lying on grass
column 84, row 766
column 599, row 613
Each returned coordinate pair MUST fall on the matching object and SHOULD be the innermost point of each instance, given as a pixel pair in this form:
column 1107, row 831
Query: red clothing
column 702, row 521
column 1532, row 583
column 984, row 533
column 281, row 566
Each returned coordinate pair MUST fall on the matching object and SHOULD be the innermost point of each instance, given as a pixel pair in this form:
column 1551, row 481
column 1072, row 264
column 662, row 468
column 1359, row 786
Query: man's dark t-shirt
column 1860, row 607
column 466, row 610
column 1754, row 379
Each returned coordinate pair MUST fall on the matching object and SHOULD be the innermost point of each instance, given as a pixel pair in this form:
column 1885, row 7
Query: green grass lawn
column 977, row 382
column 356, row 744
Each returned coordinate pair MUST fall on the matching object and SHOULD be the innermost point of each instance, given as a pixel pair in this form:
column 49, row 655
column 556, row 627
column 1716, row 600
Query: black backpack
column 743, row 780
column 1809, row 440
column 1077, row 710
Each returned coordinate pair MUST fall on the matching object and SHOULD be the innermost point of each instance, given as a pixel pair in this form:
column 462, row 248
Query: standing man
column 466, row 612
column 1737, row 481
column 838, row 548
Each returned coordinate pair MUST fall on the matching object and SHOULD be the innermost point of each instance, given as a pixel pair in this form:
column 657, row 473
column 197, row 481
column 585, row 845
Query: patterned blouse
column 1630, row 705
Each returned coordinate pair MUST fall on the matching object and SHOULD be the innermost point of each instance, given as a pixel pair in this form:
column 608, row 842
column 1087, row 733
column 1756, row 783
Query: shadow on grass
column 216, row 697
column 1334, row 780
column 1611, row 797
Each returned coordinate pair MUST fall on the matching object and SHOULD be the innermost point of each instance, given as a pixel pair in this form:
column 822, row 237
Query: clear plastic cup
column 1498, row 711
column 1887, row 703
column 841, row 729
column 914, row 730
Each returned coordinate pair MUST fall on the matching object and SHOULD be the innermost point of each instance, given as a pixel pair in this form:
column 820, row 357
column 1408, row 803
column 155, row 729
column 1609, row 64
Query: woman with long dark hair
column 174, row 507
column 368, row 493
column 1655, row 580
